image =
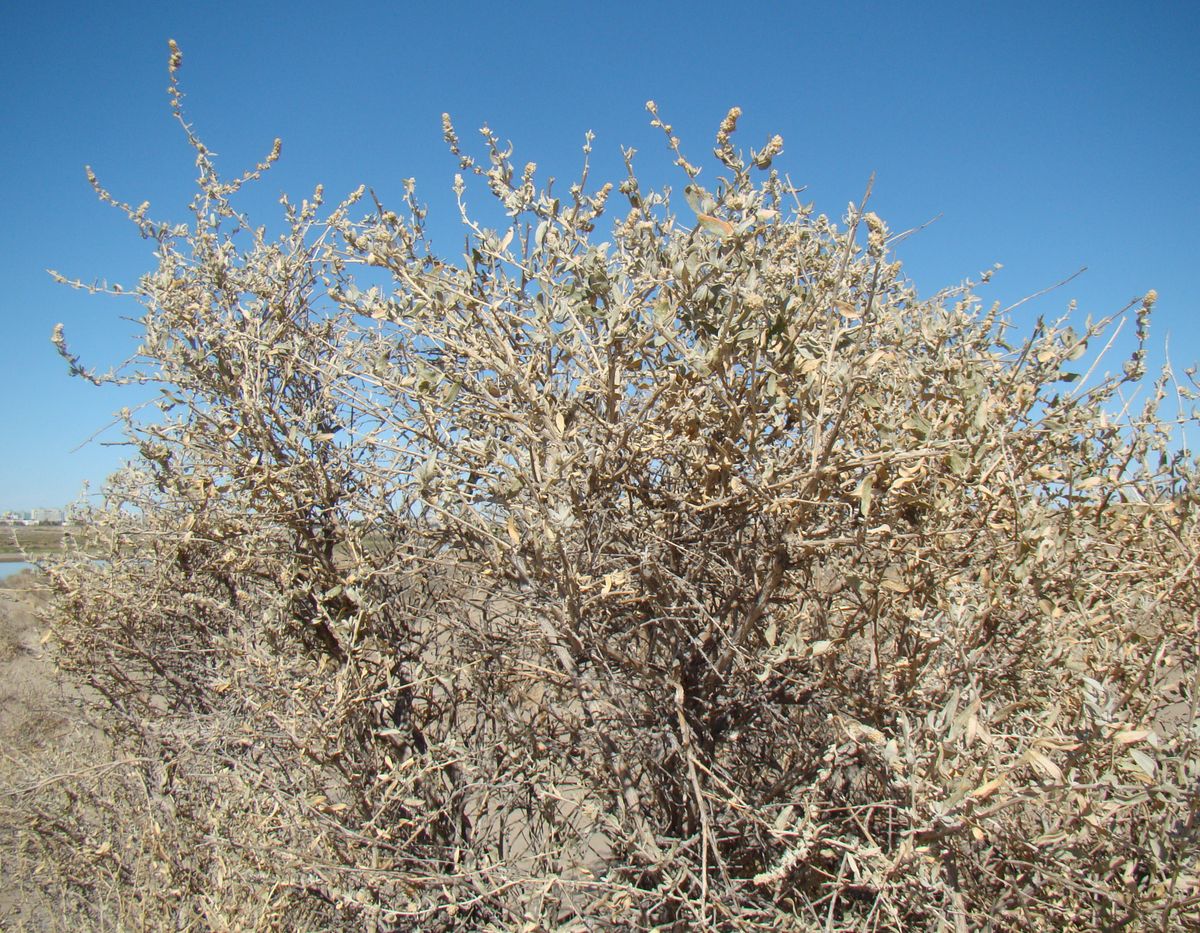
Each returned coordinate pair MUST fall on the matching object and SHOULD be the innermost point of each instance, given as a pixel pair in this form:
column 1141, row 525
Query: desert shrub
column 701, row 577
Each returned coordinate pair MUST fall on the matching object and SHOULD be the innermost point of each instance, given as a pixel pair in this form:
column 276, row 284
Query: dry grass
column 44, row 751
column 21, row 541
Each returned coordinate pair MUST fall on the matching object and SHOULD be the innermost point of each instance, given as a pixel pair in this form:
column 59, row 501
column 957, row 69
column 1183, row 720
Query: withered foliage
column 624, row 574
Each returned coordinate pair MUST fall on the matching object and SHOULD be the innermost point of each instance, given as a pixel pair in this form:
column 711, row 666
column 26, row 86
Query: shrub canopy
column 632, row 569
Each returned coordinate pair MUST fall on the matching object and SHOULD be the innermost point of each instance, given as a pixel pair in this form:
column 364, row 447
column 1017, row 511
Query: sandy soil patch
column 41, row 736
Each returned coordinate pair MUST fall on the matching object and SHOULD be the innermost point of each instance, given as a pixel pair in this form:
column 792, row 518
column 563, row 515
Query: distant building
column 47, row 516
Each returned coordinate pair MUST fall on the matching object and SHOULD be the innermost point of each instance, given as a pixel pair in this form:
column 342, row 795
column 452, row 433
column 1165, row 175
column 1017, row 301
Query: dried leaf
column 1045, row 765
column 1144, row 761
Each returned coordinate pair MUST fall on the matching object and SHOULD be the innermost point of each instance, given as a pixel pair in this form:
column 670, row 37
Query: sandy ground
column 31, row 711
column 36, row 725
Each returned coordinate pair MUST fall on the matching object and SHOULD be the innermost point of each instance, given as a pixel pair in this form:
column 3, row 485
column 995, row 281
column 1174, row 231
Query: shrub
column 702, row 577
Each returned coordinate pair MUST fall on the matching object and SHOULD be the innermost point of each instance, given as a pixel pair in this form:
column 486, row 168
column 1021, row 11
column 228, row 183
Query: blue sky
column 1047, row 136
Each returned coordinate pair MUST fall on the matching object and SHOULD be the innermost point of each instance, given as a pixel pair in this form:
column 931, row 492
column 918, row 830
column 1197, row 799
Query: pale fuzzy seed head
column 448, row 133
column 728, row 125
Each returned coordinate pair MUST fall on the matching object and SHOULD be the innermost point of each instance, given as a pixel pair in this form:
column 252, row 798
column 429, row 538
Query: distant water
column 9, row 567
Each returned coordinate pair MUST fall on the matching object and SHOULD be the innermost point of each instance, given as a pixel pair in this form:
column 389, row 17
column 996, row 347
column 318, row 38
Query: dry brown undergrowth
column 45, row 748
column 689, row 579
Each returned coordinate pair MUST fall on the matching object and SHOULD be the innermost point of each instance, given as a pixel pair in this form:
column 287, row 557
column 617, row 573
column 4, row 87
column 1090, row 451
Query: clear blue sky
column 1048, row 136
